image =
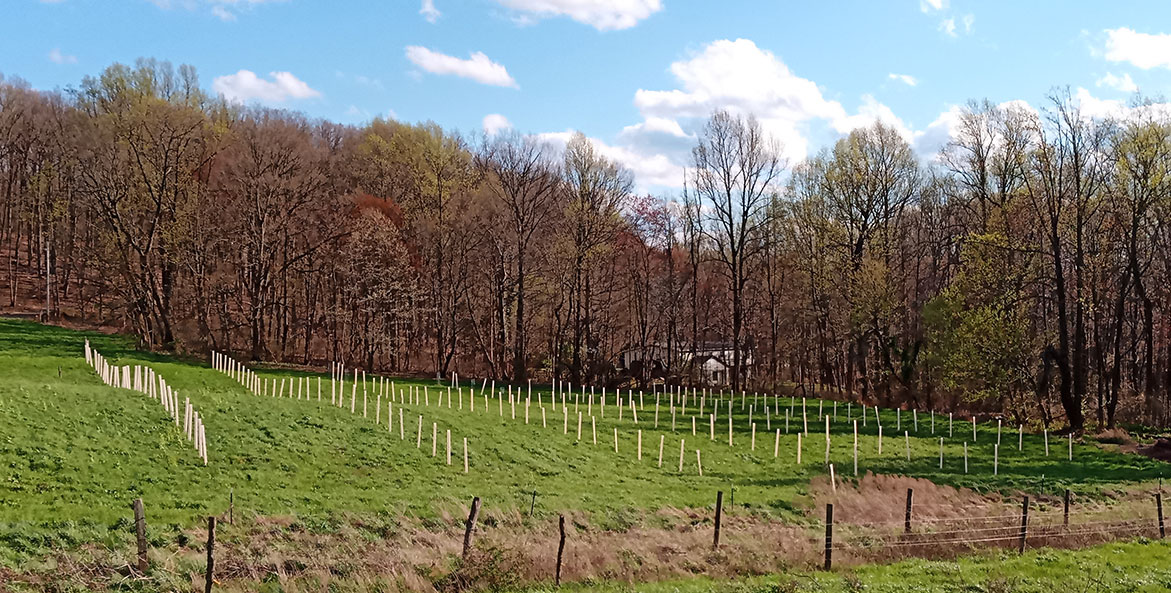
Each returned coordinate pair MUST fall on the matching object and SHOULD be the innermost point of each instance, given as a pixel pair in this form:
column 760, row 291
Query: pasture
column 76, row 453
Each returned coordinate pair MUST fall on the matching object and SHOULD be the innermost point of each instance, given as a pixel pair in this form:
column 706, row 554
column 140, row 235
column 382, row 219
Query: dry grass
column 1115, row 436
column 869, row 520
column 512, row 550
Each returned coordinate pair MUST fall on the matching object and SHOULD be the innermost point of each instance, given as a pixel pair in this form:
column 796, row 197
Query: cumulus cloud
column 650, row 170
column 906, row 79
column 1122, row 83
column 57, row 57
column 494, row 123
column 245, row 86
column 603, row 15
column 429, row 11
column 869, row 113
column 742, row 78
column 1144, row 50
column 477, row 67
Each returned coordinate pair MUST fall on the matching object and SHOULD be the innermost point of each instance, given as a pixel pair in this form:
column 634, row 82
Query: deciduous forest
column 1023, row 270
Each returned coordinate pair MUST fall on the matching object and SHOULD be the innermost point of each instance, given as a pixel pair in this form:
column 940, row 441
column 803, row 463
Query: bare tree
column 524, row 180
column 735, row 169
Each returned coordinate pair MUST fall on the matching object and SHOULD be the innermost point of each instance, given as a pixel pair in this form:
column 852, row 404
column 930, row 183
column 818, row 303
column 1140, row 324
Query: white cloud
column 57, row 57
column 906, row 79
column 603, row 15
column 932, row 5
column 1094, row 107
column 948, row 26
column 429, row 11
column 1122, row 83
column 1141, row 49
column 494, row 122
column 245, row 86
column 938, row 133
column 659, row 125
column 969, row 22
column 650, row 170
column 946, row 127
column 870, row 112
column 223, row 13
column 477, row 67
column 742, row 78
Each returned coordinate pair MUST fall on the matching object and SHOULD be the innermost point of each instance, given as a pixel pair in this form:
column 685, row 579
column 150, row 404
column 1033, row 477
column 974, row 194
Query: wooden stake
column 1159, row 509
column 560, row 548
column 1024, row 525
column 470, row 526
column 719, row 515
column 140, row 535
column 829, row 536
column 210, row 555
column 907, row 517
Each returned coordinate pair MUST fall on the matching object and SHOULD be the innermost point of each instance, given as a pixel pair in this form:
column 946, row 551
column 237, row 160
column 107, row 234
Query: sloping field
column 76, row 452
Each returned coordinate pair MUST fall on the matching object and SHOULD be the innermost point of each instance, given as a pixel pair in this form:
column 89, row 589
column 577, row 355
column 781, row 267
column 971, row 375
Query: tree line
column 1022, row 270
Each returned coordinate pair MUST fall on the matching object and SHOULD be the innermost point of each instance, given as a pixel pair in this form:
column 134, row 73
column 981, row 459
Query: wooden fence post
column 471, row 525
column 1159, row 508
column 719, row 514
column 907, row 519
column 560, row 550
column 1024, row 525
column 140, row 534
column 210, row 554
column 1065, row 517
column 829, row 535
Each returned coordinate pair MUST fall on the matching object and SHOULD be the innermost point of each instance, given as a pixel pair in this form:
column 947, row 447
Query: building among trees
column 706, row 363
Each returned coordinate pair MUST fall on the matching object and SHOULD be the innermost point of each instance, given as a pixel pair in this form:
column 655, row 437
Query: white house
column 711, row 361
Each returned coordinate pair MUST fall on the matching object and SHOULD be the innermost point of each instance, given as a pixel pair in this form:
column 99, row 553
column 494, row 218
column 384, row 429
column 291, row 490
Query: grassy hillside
column 76, row 452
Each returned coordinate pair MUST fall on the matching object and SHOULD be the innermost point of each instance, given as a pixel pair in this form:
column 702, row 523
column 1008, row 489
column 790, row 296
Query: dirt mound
column 1160, row 449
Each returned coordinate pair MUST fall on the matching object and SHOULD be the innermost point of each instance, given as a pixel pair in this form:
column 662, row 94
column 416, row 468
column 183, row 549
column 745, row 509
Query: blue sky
column 636, row 76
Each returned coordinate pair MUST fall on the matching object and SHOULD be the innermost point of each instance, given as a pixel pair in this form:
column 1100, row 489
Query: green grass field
column 1135, row 567
column 76, row 452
